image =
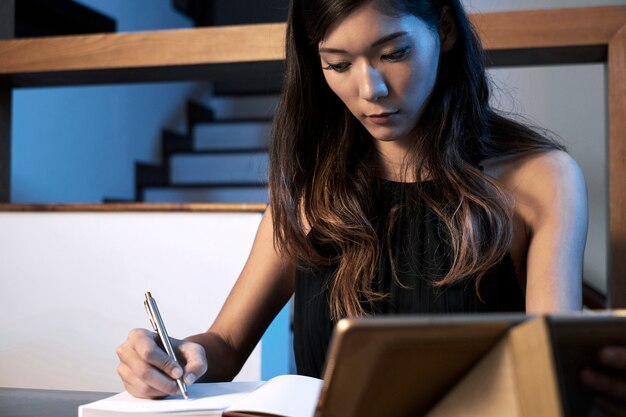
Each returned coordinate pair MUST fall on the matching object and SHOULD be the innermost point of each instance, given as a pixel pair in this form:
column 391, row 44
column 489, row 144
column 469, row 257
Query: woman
column 395, row 132
column 394, row 188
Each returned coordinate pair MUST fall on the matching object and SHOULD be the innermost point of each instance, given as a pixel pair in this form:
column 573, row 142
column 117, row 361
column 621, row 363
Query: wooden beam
column 550, row 28
column 578, row 34
column 617, row 169
column 137, row 207
column 7, row 30
column 143, row 50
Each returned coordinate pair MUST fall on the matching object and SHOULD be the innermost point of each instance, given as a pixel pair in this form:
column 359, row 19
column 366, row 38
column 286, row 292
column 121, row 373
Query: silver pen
column 159, row 327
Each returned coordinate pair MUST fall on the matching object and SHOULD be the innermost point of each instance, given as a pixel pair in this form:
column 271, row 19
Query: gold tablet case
column 487, row 365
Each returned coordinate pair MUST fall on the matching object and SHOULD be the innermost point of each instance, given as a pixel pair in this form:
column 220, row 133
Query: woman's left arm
column 556, row 211
column 553, row 188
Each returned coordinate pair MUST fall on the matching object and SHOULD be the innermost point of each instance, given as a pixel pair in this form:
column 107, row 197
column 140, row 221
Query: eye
column 339, row 67
column 398, row 55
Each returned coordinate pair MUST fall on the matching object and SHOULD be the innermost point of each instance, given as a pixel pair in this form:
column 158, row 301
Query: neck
column 394, row 162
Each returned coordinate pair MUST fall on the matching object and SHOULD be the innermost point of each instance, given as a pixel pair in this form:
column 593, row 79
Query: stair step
column 223, row 151
column 243, row 107
column 231, row 135
column 172, row 142
column 220, row 169
column 269, row 81
column 150, row 174
column 114, row 200
column 247, row 119
column 206, row 194
column 198, row 113
column 220, row 13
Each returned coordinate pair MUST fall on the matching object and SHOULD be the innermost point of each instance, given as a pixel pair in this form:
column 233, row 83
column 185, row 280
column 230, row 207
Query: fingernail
column 190, row 379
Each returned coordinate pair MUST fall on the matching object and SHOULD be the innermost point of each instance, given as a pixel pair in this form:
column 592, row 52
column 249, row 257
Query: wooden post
column 617, row 169
column 7, row 30
column 5, row 143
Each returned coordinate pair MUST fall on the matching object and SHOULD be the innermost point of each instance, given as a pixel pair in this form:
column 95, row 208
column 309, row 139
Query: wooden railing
column 135, row 207
column 575, row 35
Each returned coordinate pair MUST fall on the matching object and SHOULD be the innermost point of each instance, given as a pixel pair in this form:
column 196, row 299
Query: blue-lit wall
column 80, row 144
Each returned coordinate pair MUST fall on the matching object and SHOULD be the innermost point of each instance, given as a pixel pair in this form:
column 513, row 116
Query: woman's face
column 383, row 68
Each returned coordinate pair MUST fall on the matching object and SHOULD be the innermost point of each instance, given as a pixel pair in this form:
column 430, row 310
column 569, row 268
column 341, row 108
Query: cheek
column 422, row 82
column 341, row 89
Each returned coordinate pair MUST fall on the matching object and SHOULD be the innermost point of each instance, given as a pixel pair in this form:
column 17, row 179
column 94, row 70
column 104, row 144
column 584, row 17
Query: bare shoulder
column 540, row 183
column 534, row 169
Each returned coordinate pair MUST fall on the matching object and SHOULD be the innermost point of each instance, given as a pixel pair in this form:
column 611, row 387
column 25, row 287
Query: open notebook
column 286, row 395
column 398, row 366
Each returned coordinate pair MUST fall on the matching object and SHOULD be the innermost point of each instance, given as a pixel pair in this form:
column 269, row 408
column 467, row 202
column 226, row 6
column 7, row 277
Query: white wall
column 72, row 286
column 578, row 116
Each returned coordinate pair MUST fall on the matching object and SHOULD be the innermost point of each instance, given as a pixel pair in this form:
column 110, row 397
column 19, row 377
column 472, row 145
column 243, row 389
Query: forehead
column 368, row 24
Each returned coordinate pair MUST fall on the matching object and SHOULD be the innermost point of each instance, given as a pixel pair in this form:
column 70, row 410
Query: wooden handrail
column 212, row 45
column 136, row 207
column 551, row 28
column 202, row 53
column 216, row 53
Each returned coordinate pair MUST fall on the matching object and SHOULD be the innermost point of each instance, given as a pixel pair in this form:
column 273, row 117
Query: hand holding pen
column 147, row 370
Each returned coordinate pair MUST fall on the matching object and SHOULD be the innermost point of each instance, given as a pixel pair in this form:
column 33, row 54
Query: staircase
column 221, row 158
column 220, row 13
column 36, row 18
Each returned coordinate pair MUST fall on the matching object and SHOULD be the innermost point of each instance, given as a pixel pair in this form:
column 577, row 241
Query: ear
column 447, row 29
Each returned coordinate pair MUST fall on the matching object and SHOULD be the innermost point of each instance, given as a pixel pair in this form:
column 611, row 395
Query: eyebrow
column 380, row 41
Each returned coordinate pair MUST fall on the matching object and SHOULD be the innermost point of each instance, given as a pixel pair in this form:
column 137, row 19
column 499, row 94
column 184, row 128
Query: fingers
column 152, row 353
column 145, row 368
column 610, row 392
column 137, row 386
column 604, row 384
column 610, row 408
column 613, row 357
column 609, row 387
column 194, row 356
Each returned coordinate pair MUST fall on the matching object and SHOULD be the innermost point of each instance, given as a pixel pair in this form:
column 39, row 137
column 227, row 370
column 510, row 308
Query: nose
column 372, row 84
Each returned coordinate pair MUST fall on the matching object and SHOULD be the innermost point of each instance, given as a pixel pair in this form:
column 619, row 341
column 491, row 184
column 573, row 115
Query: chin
column 388, row 136
column 385, row 138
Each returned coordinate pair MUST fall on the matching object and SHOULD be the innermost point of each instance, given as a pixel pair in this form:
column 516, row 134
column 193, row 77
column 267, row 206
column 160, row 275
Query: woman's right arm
column 262, row 289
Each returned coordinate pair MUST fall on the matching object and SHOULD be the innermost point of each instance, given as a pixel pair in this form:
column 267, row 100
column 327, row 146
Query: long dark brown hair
column 320, row 157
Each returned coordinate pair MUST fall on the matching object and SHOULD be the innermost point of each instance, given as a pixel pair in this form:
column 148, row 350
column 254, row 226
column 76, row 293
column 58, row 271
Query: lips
column 382, row 117
column 382, row 114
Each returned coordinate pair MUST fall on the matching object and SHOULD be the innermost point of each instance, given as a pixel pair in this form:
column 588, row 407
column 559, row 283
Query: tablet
column 403, row 365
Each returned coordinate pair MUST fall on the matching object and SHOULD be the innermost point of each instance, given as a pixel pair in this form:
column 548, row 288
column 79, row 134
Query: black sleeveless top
column 421, row 257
